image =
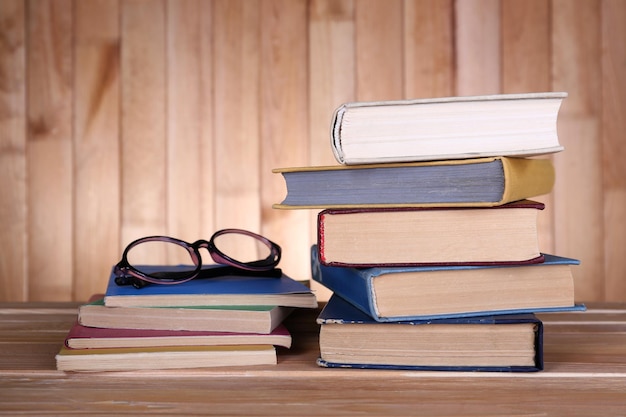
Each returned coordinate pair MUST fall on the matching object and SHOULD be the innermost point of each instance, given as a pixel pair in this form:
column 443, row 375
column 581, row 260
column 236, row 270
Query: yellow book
column 478, row 182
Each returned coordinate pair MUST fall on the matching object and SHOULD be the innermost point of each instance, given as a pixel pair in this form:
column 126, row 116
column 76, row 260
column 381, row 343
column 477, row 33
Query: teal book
column 231, row 290
column 349, row 338
column 431, row 292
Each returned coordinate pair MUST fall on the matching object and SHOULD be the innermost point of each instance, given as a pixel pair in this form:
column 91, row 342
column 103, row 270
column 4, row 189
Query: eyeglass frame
column 123, row 269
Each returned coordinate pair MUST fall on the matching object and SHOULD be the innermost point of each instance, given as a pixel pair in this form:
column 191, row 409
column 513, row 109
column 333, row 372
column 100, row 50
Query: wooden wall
column 120, row 119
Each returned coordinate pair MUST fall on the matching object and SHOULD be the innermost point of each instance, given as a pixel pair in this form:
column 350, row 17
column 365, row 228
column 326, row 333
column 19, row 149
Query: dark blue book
column 430, row 292
column 349, row 338
column 231, row 290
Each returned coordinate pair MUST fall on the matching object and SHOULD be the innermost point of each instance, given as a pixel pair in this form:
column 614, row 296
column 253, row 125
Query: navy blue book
column 427, row 292
column 350, row 338
column 232, row 290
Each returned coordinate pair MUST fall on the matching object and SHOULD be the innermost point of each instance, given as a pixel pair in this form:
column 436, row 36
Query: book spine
column 524, row 178
column 335, row 134
column 347, row 283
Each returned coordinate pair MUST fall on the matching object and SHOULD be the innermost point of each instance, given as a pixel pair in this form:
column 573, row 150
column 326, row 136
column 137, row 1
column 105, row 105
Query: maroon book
column 83, row 337
column 373, row 237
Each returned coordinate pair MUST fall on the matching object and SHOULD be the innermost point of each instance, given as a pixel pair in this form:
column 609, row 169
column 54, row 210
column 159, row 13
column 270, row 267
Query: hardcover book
column 351, row 339
column 469, row 182
column 446, row 128
column 220, row 291
column 83, row 337
column 243, row 319
column 419, row 236
column 430, row 292
column 168, row 357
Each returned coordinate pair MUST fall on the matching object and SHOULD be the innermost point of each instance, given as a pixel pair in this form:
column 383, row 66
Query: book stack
column 226, row 321
column 427, row 234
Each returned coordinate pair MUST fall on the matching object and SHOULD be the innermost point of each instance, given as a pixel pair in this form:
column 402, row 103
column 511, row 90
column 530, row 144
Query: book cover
column 163, row 357
column 479, row 182
column 366, row 237
column 243, row 319
column 83, row 337
column 228, row 290
column 446, row 128
column 349, row 338
column 431, row 292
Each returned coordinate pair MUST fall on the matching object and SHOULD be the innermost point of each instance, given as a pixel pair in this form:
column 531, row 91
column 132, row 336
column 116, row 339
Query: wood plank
column 579, row 223
column 283, row 124
column 526, row 67
column 477, row 38
column 13, row 209
column 429, row 48
column 331, row 83
column 207, row 145
column 96, row 145
column 143, row 121
column 184, row 165
column 585, row 375
column 49, row 149
column 613, row 149
column 236, row 46
column 379, row 55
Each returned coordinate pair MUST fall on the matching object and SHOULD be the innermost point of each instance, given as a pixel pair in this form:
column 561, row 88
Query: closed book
column 350, row 338
column 163, row 357
column 230, row 290
column 83, row 337
column 468, row 182
column 246, row 319
column 430, row 292
column 446, row 128
column 420, row 236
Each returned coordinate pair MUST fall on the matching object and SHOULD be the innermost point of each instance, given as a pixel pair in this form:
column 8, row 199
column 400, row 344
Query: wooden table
column 585, row 375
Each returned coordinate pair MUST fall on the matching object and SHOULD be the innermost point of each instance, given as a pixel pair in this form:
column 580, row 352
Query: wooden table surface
column 585, row 375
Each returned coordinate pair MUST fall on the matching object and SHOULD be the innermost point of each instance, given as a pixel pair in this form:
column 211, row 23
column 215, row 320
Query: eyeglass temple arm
column 221, row 271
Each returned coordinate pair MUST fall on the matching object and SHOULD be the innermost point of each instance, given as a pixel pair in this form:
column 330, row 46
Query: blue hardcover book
column 230, row 290
column 350, row 338
column 430, row 292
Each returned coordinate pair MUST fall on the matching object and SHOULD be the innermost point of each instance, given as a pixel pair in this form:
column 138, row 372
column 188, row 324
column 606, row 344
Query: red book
column 83, row 337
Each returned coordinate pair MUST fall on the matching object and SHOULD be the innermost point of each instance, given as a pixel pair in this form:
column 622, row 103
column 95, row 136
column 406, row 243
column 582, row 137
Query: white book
column 446, row 128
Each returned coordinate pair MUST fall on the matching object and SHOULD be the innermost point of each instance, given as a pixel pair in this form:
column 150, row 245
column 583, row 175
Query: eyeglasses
column 134, row 270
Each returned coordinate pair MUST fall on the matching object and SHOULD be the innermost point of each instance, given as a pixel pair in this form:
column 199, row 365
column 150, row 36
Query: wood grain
column 477, row 40
column 182, row 67
column 13, row 159
column 585, row 374
column 429, row 49
column 127, row 118
column 49, row 149
column 97, row 191
column 379, row 68
column 613, row 149
column 284, row 125
column 236, row 158
column 143, row 133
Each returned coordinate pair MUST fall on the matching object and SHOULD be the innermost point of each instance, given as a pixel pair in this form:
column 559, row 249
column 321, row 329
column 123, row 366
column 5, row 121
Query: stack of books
column 428, row 233
column 226, row 321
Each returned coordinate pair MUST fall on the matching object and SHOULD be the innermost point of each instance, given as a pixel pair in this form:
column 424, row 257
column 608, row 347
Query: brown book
column 83, row 337
column 421, row 236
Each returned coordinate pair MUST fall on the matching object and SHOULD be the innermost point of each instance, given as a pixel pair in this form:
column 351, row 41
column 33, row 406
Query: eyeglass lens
column 146, row 254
